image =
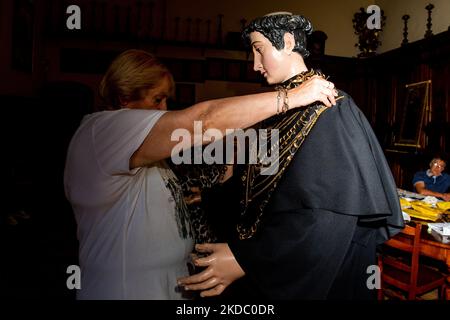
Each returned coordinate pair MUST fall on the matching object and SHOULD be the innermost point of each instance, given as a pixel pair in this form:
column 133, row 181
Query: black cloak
column 335, row 203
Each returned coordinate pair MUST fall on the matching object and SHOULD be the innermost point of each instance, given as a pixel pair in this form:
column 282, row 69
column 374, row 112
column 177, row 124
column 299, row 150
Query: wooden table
column 429, row 246
column 432, row 248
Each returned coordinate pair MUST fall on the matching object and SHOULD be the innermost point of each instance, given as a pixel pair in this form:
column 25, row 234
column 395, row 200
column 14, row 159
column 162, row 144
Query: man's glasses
column 440, row 166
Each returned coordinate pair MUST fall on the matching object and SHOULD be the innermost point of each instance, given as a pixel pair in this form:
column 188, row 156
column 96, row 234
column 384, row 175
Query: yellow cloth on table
column 416, row 214
column 444, row 205
column 405, row 203
column 424, row 211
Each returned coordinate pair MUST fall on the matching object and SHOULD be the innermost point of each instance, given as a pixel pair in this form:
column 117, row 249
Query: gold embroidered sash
column 294, row 127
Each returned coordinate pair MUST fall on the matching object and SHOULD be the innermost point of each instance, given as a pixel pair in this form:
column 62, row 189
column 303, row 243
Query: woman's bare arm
column 223, row 114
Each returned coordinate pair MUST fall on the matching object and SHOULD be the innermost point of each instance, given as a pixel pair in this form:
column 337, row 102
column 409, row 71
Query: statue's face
column 273, row 64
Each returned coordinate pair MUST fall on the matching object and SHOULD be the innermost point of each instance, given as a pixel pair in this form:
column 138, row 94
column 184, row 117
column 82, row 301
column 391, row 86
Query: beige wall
column 394, row 10
column 331, row 16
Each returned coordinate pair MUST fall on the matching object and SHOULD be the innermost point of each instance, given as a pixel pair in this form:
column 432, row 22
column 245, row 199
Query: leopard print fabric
column 201, row 176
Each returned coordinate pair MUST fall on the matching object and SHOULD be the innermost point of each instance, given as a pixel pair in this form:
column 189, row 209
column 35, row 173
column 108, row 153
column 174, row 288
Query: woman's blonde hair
column 129, row 77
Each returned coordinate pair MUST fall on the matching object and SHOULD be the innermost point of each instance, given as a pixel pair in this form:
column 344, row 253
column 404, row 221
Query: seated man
column 433, row 182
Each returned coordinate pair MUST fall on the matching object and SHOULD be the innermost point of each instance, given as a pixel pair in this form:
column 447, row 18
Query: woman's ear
column 289, row 42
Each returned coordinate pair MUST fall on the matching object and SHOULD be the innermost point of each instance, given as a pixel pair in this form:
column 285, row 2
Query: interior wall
column 330, row 16
column 211, row 89
column 392, row 34
column 13, row 82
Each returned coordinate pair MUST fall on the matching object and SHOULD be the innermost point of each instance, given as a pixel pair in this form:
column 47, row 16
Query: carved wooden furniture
column 401, row 269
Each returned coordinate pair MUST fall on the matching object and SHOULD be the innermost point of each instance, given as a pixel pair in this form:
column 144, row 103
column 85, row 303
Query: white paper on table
column 443, row 228
column 440, row 231
column 406, row 217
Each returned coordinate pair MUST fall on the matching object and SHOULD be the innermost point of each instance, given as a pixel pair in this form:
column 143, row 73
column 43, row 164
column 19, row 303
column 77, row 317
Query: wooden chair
column 404, row 272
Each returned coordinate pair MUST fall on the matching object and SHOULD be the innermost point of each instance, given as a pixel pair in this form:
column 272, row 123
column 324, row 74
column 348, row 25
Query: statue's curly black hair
column 274, row 26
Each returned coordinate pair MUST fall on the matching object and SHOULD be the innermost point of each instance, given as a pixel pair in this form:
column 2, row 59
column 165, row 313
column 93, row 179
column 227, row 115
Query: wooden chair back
column 408, row 242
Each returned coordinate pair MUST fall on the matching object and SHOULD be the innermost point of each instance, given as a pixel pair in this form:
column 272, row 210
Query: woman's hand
column 314, row 89
column 221, row 270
